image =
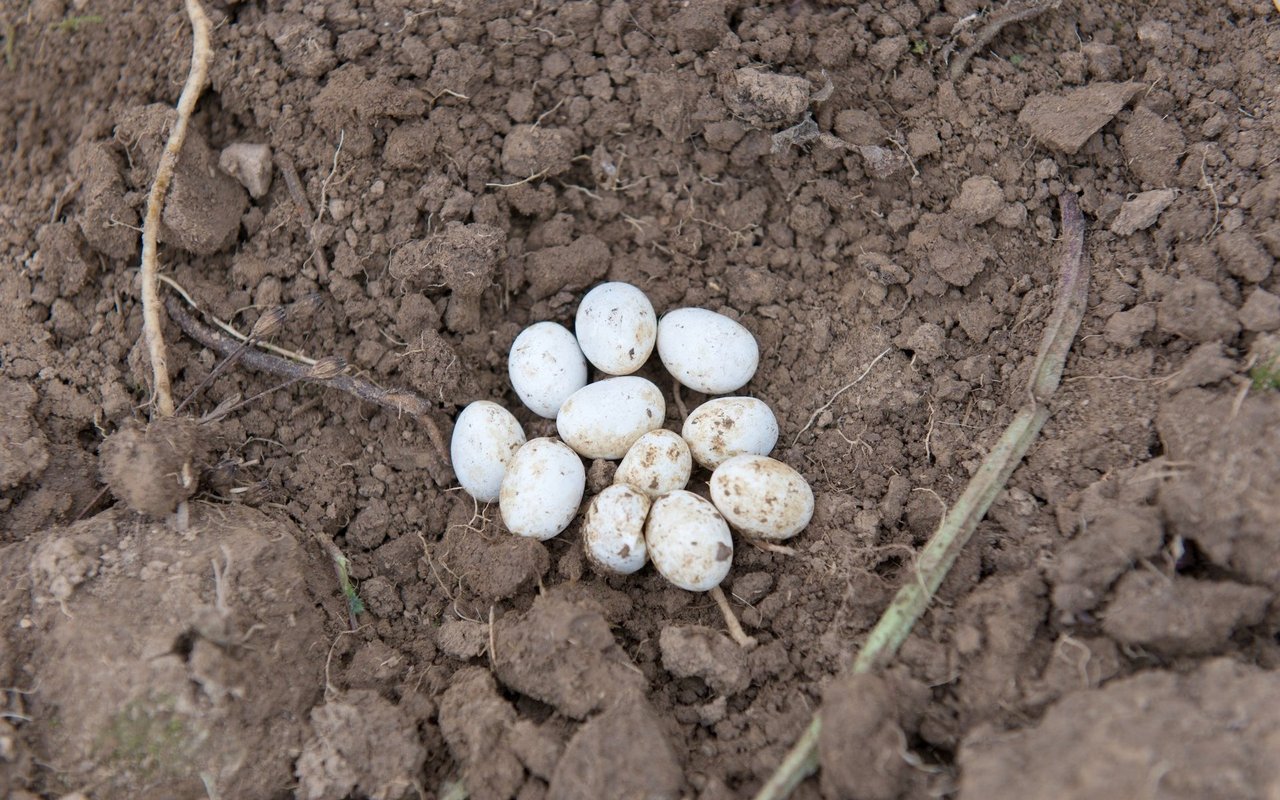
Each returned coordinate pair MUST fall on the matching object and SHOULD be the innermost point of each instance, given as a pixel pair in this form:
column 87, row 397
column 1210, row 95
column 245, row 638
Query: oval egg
column 616, row 328
column 603, row 419
column 542, row 489
column 659, row 462
column 546, row 366
column 762, row 497
column 725, row 427
column 706, row 351
column 613, row 530
column 689, row 542
column 485, row 437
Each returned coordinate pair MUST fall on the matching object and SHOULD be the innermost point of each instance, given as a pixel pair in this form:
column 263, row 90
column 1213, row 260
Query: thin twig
column 400, row 401
column 152, row 325
column 814, row 416
column 958, row 524
column 313, row 299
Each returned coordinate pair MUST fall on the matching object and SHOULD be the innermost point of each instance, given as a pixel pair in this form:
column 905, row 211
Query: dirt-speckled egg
column 603, row 419
column 613, row 530
column 658, row 463
column 762, row 497
column 616, row 328
column 725, row 427
column 706, row 351
column 546, row 367
column 542, row 489
column 689, row 542
column 485, row 437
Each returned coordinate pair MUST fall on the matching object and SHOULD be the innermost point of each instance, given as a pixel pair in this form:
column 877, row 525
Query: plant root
column 152, row 325
column 730, row 619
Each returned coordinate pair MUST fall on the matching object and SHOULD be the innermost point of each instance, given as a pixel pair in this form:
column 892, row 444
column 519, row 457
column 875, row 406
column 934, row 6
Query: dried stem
column 731, row 620
column 152, row 324
column 399, row 400
column 958, row 524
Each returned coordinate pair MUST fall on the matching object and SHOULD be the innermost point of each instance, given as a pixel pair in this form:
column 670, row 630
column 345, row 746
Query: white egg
column 658, row 463
column 485, row 437
column 725, row 427
column 546, row 367
column 616, row 328
column 542, row 489
column 689, row 542
column 762, row 497
column 706, row 351
column 613, row 530
column 603, row 419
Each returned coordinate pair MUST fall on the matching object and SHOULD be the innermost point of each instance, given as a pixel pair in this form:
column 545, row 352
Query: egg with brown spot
column 659, row 462
column 542, row 489
column 603, row 419
column 762, row 497
column 613, row 530
column 616, row 328
column 688, row 541
column 725, row 427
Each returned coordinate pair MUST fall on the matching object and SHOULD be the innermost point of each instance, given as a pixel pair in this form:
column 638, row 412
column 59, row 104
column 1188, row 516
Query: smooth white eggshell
column 762, row 497
column 659, row 462
column 689, row 542
column 613, row 530
column 542, row 489
column 485, row 437
column 616, row 328
column 546, row 367
column 725, row 427
column 706, row 351
column 603, row 419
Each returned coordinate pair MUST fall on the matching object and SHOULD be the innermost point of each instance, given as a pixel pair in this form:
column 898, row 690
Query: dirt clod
column 861, row 745
column 152, row 469
column 202, row 210
column 360, row 743
column 1202, row 735
column 694, row 651
column 1177, row 616
column 475, row 722
column 1065, row 122
column 563, row 653
column 25, row 447
column 622, row 753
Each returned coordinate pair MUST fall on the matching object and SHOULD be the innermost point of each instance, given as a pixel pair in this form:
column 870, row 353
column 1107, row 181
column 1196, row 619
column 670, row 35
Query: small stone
column 1244, row 257
column 766, row 99
column 1125, row 328
column 980, row 199
column 250, row 164
column 885, row 53
column 1012, row 216
column 462, row 639
column 1104, row 60
column 1141, row 212
column 700, row 26
column 1261, row 312
column 880, row 268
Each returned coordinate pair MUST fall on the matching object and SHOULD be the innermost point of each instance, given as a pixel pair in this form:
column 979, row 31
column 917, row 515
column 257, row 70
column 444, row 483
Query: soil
column 442, row 176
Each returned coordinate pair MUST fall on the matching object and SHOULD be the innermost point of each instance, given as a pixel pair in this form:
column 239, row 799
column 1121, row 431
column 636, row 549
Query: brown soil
column 172, row 623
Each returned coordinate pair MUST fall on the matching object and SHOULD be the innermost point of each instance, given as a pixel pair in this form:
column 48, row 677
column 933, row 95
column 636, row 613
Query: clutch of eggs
column 647, row 515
